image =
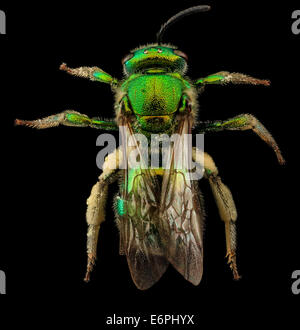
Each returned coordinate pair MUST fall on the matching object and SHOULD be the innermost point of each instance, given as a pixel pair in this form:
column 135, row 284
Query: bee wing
column 139, row 235
column 182, row 214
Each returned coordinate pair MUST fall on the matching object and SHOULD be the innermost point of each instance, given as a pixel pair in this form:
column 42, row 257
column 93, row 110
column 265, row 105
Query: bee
column 159, row 211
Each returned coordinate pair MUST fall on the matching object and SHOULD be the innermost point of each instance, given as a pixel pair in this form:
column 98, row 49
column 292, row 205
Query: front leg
column 244, row 122
column 68, row 118
column 93, row 73
column 225, row 77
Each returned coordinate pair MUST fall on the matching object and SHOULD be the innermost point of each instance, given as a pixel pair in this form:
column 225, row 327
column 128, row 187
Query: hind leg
column 95, row 214
column 226, row 207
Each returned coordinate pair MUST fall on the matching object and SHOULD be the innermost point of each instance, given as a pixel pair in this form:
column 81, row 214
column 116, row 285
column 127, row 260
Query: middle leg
column 241, row 123
column 226, row 207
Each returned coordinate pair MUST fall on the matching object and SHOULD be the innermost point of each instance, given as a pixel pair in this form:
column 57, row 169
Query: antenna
column 178, row 16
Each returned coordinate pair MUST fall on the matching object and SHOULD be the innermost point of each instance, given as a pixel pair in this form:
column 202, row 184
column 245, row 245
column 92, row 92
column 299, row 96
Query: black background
column 47, row 175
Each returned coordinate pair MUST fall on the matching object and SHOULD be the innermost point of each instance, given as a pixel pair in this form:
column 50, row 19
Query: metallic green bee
column 159, row 212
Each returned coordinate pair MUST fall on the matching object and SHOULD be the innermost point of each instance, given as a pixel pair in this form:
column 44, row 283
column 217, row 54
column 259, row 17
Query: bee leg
column 244, row 122
column 95, row 214
column 68, row 118
column 226, row 207
column 93, row 73
column 225, row 77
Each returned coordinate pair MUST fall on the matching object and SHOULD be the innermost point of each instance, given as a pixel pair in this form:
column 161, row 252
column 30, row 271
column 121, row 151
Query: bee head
column 155, row 58
column 160, row 57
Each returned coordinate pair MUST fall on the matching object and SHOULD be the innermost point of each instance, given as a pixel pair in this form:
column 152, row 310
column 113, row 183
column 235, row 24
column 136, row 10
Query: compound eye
column 127, row 58
column 181, row 54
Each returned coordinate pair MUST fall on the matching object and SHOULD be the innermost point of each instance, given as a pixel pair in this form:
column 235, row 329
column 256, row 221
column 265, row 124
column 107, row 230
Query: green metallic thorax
column 154, row 94
column 154, row 97
column 154, row 87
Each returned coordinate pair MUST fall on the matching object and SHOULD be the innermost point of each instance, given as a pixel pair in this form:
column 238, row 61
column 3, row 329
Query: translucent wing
column 181, row 212
column 139, row 236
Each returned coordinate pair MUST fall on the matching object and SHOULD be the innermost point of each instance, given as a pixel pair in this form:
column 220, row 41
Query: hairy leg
column 93, row 73
column 68, row 118
column 226, row 207
column 225, row 77
column 244, row 122
column 95, row 214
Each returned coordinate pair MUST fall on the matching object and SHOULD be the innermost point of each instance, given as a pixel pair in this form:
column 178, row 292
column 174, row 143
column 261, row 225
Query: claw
column 232, row 264
column 64, row 67
column 18, row 122
column 281, row 160
column 90, row 266
column 29, row 123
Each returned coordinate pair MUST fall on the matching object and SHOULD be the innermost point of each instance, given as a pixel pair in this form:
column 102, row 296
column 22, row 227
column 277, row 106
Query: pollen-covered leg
column 244, row 122
column 226, row 207
column 95, row 214
column 68, row 118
